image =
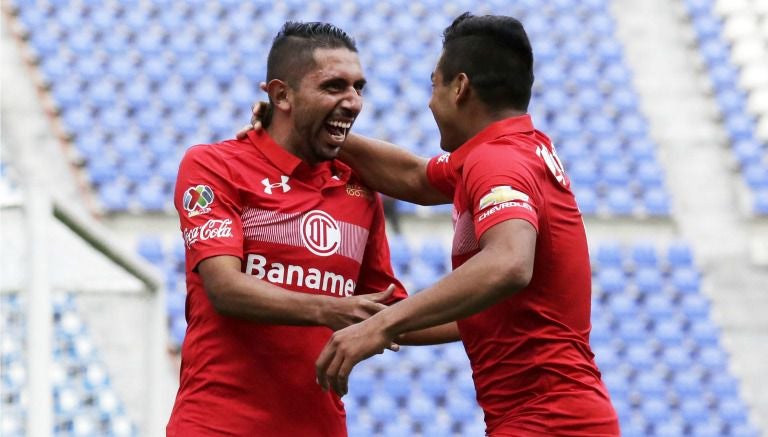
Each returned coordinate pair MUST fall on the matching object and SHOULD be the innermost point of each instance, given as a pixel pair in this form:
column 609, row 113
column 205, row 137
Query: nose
column 352, row 101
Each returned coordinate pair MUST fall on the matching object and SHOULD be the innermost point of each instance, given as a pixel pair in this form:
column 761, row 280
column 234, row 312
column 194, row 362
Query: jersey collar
column 289, row 163
column 497, row 129
column 281, row 158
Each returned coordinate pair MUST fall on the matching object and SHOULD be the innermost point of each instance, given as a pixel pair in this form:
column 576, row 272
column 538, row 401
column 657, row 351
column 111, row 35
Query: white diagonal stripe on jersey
column 464, row 240
column 285, row 228
column 272, row 226
column 353, row 239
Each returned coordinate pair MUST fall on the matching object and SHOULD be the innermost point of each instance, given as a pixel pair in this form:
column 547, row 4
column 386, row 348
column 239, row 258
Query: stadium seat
column 382, row 408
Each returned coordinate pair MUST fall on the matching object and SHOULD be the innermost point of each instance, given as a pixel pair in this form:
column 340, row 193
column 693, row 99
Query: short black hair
column 496, row 55
column 291, row 55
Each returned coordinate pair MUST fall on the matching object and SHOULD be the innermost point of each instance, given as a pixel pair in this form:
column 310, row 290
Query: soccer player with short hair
column 284, row 244
column 521, row 285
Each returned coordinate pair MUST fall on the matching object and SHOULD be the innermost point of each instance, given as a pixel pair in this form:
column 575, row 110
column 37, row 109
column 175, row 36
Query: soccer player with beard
column 284, row 244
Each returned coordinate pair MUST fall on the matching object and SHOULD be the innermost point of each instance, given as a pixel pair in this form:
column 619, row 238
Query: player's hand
column 345, row 349
column 257, row 112
column 340, row 313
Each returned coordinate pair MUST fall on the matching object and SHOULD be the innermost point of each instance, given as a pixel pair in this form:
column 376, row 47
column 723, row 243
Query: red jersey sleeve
column 376, row 270
column 441, row 175
column 500, row 181
column 208, row 207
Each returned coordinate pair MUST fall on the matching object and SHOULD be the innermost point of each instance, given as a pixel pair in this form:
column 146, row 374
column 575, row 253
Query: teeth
column 340, row 124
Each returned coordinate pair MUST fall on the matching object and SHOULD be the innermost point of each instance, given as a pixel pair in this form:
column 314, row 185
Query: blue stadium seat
column 620, row 201
column 611, row 280
column 623, row 306
column 669, row 332
column 151, row 248
column 640, row 356
column 397, row 384
column 616, row 173
column 153, row 197
column 649, row 280
column 656, row 202
column 178, row 330
column 704, row 332
column 760, row 204
column 676, row 358
column 686, row 280
column 421, row 409
column 659, row 306
column 732, row 410
column 114, row 196
column 175, row 304
column 695, row 306
column 609, row 254
column 361, row 384
column 712, row 358
column 433, row 383
column 633, row 331
column 382, row 408
column 400, row 252
column 723, row 385
column 650, row 384
column 460, row 409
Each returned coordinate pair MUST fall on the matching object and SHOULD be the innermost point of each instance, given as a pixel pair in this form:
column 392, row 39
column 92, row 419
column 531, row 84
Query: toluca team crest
column 197, row 200
column 320, row 233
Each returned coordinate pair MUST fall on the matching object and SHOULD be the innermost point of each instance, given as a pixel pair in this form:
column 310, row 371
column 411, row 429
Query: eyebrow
column 361, row 83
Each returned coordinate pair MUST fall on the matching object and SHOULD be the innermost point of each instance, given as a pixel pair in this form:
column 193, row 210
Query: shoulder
column 214, row 154
column 357, row 188
column 505, row 152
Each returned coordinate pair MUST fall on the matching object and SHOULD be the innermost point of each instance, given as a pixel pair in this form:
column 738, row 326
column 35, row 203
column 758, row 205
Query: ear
column 461, row 88
column 278, row 91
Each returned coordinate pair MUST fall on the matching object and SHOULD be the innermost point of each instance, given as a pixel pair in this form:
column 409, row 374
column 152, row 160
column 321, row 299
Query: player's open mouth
column 338, row 129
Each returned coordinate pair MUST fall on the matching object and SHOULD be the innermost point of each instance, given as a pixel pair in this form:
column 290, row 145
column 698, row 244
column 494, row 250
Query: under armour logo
column 268, row 187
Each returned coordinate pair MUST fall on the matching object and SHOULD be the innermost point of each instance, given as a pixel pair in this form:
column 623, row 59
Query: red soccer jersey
column 531, row 362
column 307, row 229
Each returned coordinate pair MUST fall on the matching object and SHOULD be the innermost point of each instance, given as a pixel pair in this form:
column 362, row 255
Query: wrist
column 388, row 323
column 320, row 313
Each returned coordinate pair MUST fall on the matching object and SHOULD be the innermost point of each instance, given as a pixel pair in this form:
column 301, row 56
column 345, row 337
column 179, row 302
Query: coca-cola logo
column 209, row 230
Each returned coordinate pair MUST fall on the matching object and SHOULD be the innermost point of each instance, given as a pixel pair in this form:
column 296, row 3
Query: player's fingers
column 322, row 363
column 382, row 296
column 342, row 379
column 333, row 377
column 372, row 308
column 394, row 347
column 263, row 86
column 243, row 132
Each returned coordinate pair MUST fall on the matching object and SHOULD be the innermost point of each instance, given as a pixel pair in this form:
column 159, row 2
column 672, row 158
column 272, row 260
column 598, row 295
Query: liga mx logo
column 197, row 200
column 320, row 233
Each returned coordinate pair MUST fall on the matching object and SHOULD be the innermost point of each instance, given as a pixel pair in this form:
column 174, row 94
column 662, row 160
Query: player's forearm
column 259, row 301
column 445, row 333
column 479, row 283
column 391, row 170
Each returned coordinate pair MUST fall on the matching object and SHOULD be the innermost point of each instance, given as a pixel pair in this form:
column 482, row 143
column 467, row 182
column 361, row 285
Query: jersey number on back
column 553, row 164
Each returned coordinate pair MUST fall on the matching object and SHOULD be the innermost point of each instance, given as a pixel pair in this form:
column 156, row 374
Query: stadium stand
column 135, row 85
column 85, row 403
column 734, row 47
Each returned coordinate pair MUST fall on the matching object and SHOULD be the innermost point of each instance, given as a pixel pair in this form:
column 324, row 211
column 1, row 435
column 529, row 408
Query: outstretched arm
column 391, row 170
column 503, row 266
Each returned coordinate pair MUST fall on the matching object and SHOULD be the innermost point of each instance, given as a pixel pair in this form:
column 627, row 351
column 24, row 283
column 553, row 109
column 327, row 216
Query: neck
column 478, row 118
column 283, row 135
